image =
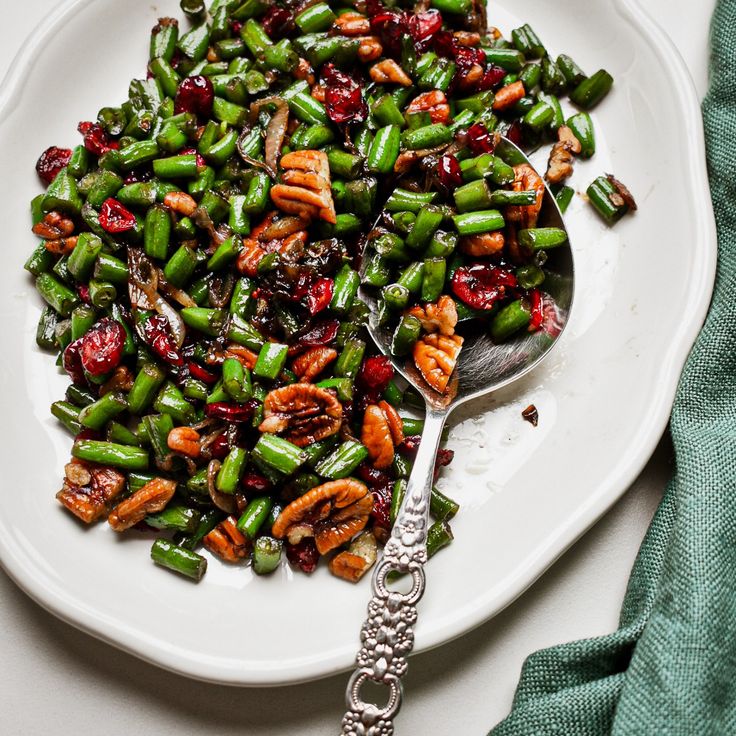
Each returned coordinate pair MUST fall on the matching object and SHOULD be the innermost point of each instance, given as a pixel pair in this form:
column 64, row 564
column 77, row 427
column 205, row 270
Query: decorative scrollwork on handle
column 387, row 635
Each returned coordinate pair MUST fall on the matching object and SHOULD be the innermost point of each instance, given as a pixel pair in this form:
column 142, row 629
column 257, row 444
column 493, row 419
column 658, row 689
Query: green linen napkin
column 670, row 668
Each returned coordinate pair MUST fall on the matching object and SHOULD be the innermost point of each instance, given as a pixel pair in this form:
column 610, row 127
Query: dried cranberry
column 343, row 97
column 157, row 334
column 410, row 445
column 83, row 291
column 101, row 347
column 72, row 362
column 390, row 26
column 200, row 373
column 303, row 555
column 466, row 57
column 423, row 26
column 320, row 295
column 381, row 511
column 366, row 398
column 231, row 412
column 256, row 483
column 277, row 22
column 373, row 476
column 479, row 139
column 219, row 447
column 322, row 333
column 196, row 95
column 95, row 138
column 444, row 44
column 87, row 434
column 51, row 162
column 536, row 309
column 443, row 459
column 449, row 171
column 492, row 77
column 514, row 133
column 481, row 285
column 376, row 372
column 115, row 218
column 236, row 26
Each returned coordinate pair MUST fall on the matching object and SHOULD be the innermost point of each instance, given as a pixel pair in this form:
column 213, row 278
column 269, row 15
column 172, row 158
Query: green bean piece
column 582, row 127
column 506, row 197
column 342, row 462
column 145, row 387
column 228, row 477
column 342, row 386
column 592, row 90
column 384, row 149
column 482, row 221
column 474, row 195
column 376, row 270
column 170, row 400
column 68, row 415
column 531, row 76
column 245, row 334
column 542, row 238
column 271, row 360
column 208, row 520
column 176, row 517
column 78, row 396
column 385, row 111
column 509, row 320
column 343, row 164
column 40, row 261
column 180, row 267
column 393, row 394
column 62, row 194
column 109, row 453
column 539, row 117
column 256, row 512
column 82, row 259
column 226, row 252
column 166, row 76
column 553, row 80
column 397, row 498
column 438, row 76
column 395, row 296
column 427, row 221
column 116, row 432
column 305, row 108
column 101, row 293
column 110, row 268
column 79, row 162
column 47, row 324
column 411, row 277
column 360, row 196
column 349, row 361
column 572, row 73
column 279, row 454
column 401, row 465
column 427, row 136
column 509, row 59
column 236, row 380
column 137, row 154
column 83, row 317
column 181, row 560
column 442, row 245
column 55, row 294
column 266, row 555
column 156, row 232
column 439, row 535
column 433, row 279
column 403, row 199
column 406, row 334
column 564, row 197
column 442, row 507
column 558, row 117
column 207, row 321
column 606, row 199
column 281, row 57
column 256, row 197
column 345, row 289
column 194, row 43
column 229, row 112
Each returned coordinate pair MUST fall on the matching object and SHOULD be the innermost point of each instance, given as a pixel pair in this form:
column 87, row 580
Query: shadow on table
column 204, row 708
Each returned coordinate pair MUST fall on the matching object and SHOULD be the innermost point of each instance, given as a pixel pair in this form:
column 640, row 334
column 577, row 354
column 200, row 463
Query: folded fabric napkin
column 670, row 668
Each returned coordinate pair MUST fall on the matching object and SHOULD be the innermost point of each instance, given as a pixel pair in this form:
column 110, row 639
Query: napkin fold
column 670, row 668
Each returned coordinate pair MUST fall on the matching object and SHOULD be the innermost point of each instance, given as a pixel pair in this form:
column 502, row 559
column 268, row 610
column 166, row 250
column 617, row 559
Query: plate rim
column 74, row 612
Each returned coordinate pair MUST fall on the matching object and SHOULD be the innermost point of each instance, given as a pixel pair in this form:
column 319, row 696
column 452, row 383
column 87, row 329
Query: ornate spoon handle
column 387, row 635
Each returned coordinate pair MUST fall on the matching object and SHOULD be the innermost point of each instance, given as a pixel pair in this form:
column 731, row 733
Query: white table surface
column 55, row 679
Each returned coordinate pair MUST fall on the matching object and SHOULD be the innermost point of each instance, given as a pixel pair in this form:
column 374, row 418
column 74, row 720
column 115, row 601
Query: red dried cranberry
column 366, row 398
column 410, row 445
column 466, row 57
column 255, row 483
column 220, row 447
column 343, row 97
column 390, row 26
column 95, row 138
column 236, row 26
column 231, row 412
column 51, row 162
column 87, row 434
column 322, row 333
column 373, row 476
column 376, row 372
column 481, row 285
column 200, row 373
column 444, row 458
column 444, row 44
column 492, row 77
column 101, row 347
column 381, row 511
column 479, row 139
column 424, row 25
column 115, row 218
column 83, row 291
column 72, row 363
column 277, row 22
column 374, row 7
column 157, row 334
column 320, row 295
column 536, row 309
column 449, row 171
column 514, row 133
column 303, row 555
column 196, row 95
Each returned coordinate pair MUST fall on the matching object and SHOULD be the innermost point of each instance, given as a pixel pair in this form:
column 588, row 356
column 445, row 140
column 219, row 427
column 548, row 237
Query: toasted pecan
column 149, row 499
column 88, row 489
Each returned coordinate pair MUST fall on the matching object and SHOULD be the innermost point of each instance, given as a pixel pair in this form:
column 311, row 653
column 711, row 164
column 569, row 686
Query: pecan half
column 626, row 196
column 249, row 257
column 508, row 95
column 306, row 190
column 526, row 178
column 332, row 513
column 436, row 356
column 482, row 244
column 311, row 363
column 180, row 202
column 433, row 102
column 88, row 490
column 353, row 563
column 438, row 317
column 227, row 541
column 184, row 440
column 561, row 157
column 381, row 432
column 54, row 226
column 352, row 24
column 121, row 380
column 369, row 49
column 303, row 412
column 389, row 70
column 150, row 499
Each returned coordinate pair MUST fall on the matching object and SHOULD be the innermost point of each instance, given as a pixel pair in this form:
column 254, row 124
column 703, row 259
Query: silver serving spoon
column 387, row 636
